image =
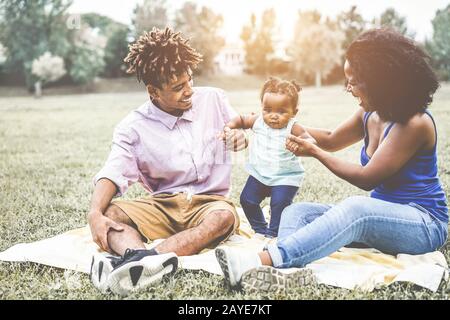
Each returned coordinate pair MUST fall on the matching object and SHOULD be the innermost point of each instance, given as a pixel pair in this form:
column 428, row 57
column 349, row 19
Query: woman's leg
column 389, row 227
column 300, row 215
column 252, row 195
column 280, row 198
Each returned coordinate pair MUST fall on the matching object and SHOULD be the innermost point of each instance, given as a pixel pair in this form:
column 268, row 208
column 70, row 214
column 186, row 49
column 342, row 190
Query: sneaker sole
column 269, row 279
column 221, row 256
column 137, row 275
column 100, row 269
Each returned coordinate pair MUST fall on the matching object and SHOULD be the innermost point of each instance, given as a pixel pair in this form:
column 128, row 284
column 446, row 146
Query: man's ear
column 153, row 91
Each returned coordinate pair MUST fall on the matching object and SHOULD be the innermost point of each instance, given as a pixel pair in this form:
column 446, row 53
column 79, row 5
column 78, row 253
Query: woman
column 407, row 210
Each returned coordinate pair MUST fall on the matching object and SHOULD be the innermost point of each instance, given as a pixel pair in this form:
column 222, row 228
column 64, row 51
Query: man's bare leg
column 215, row 225
column 188, row 242
column 119, row 241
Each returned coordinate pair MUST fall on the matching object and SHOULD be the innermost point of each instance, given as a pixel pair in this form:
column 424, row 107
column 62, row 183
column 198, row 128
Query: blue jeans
column 310, row 231
column 254, row 193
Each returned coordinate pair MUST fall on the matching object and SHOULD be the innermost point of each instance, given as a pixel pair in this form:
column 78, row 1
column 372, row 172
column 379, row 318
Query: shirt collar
column 167, row 119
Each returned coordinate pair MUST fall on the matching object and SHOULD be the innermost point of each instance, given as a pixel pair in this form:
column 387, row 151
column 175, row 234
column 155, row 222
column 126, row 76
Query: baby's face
column 277, row 110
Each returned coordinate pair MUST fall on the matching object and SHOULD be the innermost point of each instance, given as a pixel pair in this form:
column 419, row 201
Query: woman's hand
column 301, row 147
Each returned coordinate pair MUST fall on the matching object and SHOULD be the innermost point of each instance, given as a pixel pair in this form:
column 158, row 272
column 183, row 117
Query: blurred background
column 78, row 46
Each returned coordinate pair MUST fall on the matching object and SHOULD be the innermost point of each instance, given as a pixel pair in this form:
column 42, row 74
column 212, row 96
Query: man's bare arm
column 104, row 191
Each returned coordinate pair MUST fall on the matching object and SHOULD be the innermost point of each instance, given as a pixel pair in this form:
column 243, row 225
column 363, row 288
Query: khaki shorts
column 163, row 215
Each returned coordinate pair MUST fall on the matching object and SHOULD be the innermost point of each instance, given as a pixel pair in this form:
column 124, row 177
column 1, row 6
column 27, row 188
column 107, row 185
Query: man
column 170, row 146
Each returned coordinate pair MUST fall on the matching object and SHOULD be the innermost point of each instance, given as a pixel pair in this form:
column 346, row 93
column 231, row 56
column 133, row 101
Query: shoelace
column 115, row 261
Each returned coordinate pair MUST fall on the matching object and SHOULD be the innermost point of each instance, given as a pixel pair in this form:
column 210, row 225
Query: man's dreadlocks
column 158, row 56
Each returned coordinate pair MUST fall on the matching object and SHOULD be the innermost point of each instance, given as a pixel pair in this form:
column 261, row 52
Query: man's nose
column 188, row 92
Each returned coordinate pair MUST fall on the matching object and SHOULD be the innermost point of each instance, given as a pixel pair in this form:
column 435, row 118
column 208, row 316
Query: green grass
column 51, row 148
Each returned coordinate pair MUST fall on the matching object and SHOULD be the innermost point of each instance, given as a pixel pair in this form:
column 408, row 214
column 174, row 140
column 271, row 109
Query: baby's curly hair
column 394, row 72
column 159, row 55
column 277, row 85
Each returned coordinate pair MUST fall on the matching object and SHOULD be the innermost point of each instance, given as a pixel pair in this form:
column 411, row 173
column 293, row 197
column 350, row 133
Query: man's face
column 175, row 97
column 277, row 110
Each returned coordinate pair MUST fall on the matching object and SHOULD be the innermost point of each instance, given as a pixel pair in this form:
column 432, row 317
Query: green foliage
column 352, row 24
column 115, row 52
column 86, row 64
column 30, row 28
column 439, row 46
column 95, row 20
column 258, row 42
column 316, row 46
column 116, row 48
column 152, row 13
column 392, row 19
column 202, row 27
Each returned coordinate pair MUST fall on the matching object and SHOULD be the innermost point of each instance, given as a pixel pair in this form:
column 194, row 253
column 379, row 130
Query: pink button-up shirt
column 169, row 154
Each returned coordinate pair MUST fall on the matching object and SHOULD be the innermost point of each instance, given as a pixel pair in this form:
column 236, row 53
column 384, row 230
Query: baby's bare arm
column 242, row 122
column 300, row 131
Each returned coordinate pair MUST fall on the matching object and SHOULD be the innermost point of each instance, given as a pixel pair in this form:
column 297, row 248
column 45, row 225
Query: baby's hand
column 234, row 139
column 301, row 147
column 224, row 134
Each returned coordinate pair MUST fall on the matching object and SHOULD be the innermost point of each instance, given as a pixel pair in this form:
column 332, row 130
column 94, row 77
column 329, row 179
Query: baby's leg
column 281, row 197
column 253, row 194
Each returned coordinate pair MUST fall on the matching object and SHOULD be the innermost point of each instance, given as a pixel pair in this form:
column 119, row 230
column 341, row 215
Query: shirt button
column 200, row 177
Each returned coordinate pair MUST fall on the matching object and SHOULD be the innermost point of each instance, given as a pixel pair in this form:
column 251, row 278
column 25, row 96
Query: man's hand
column 234, row 139
column 100, row 226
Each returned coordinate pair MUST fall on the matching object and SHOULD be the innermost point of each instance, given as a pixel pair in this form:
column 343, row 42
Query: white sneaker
column 138, row 272
column 259, row 236
column 101, row 266
column 234, row 263
column 270, row 279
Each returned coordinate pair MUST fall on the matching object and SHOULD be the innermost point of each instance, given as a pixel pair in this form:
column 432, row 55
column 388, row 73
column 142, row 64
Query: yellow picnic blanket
column 347, row 268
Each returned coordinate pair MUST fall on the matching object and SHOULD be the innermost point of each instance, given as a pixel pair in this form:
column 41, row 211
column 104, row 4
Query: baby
column 274, row 171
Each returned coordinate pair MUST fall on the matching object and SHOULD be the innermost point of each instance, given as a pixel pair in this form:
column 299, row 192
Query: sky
column 236, row 13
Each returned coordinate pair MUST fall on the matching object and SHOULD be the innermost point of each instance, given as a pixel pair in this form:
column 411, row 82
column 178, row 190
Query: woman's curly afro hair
column 394, row 72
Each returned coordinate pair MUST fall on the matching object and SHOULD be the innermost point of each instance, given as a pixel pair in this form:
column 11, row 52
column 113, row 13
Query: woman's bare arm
column 403, row 141
column 346, row 134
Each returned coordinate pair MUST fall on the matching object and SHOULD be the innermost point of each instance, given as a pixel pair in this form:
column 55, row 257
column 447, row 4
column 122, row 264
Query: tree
column 116, row 48
column 29, row 29
column 351, row 23
column 3, row 54
column 202, row 27
column 316, row 48
column 47, row 68
column 439, row 46
column 115, row 52
column 86, row 58
column 392, row 19
column 152, row 13
column 258, row 42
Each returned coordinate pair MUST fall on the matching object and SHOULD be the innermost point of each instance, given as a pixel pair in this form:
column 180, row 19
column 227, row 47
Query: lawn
column 50, row 149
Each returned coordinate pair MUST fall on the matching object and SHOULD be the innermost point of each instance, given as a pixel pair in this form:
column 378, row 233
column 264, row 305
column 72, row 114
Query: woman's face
column 355, row 87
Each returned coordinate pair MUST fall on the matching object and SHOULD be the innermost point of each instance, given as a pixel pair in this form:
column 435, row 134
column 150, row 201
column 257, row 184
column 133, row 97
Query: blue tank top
column 417, row 181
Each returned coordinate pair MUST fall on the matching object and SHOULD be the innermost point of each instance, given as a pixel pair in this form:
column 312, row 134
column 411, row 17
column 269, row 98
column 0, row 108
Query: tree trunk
column 38, row 89
column 318, row 79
